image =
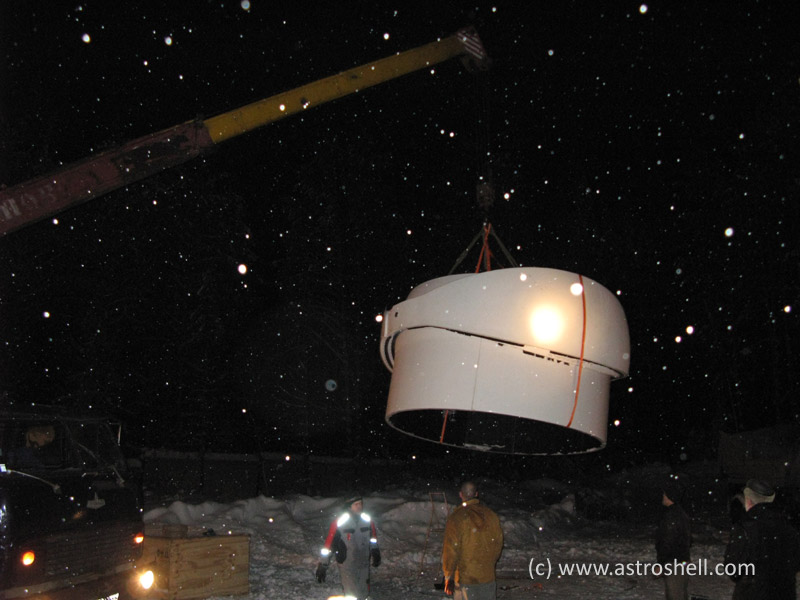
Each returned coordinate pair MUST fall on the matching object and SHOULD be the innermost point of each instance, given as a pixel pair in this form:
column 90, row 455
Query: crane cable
column 484, row 192
column 485, row 198
column 485, row 186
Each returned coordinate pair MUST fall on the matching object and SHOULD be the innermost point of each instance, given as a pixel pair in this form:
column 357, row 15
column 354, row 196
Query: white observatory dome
column 515, row 361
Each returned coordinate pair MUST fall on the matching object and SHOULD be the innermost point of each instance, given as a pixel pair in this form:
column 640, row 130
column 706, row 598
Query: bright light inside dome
column 547, row 324
column 576, row 289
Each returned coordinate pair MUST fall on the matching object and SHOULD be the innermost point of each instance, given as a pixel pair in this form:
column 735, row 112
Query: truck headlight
column 147, row 579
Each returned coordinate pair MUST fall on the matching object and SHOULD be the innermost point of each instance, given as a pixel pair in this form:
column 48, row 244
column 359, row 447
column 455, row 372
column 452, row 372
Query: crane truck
column 70, row 519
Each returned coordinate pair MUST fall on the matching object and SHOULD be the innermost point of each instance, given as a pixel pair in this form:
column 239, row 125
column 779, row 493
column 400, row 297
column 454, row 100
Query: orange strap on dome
column 583, row 345
column 486, row 252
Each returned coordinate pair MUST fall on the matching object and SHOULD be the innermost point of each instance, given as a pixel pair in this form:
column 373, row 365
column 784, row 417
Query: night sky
column 651, row 147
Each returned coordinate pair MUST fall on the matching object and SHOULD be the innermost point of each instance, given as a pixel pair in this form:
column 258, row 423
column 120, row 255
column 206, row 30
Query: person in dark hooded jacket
column 765, row 539
column 673, row 540
column 473, row 541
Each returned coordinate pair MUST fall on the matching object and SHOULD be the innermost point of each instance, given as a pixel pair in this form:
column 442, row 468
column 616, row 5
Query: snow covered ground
column 287, row 532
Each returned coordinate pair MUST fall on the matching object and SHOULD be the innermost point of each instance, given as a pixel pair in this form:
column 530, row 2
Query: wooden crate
column 199, row 566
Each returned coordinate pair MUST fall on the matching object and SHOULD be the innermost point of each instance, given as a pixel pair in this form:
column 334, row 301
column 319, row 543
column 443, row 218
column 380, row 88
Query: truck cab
column 70, row 512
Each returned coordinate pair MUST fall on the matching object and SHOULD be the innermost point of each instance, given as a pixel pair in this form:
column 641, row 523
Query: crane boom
column 38, row 198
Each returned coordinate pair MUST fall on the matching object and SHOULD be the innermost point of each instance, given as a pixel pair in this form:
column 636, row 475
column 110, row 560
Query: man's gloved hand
column 339, row 550
column 375, row 555
column 322, row 570
column 450, row 587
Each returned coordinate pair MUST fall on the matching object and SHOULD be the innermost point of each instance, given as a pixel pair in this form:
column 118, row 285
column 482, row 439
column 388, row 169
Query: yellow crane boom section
column 251, row 116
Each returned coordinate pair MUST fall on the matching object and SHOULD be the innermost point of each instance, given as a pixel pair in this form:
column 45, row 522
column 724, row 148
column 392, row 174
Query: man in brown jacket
column 473, row 540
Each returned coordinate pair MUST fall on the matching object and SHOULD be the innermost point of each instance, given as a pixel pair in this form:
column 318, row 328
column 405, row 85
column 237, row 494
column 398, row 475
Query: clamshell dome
column 514, row 361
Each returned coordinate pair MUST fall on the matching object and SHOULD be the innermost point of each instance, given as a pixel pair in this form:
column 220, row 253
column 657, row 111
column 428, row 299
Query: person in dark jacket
column 673, row 540
column 765, row 539
column 353, row 541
